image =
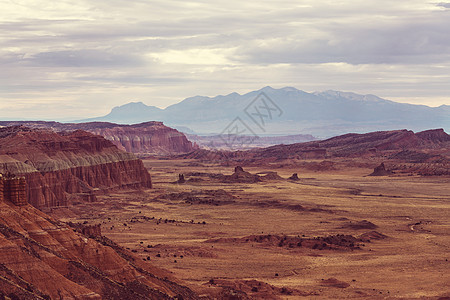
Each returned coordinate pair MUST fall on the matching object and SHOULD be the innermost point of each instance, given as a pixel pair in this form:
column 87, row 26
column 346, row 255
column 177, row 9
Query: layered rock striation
column 13, row 189
column 41, row 258
column 153, row 138
column 149, row 138
column 58, row 165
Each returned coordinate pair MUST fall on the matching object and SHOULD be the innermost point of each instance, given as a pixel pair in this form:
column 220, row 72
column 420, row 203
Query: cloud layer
column 77, row 59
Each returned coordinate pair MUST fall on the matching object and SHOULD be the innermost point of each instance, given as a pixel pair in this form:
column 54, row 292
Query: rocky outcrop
column 181, row 179
column 380, row 171
column 356, row 145
column 434, row 136
column 92, row 230
column 294, row 177
column 13, row 189
column 240, row 176
column 269, row 175
column 77, row 163
column 41, row 258
column 149, row 138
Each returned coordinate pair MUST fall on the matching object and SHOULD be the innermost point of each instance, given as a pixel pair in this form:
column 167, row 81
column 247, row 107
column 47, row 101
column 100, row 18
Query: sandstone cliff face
column 40, row 257
column 150, row 138
column 13, row 189
column 146, row 138
column 56, row 165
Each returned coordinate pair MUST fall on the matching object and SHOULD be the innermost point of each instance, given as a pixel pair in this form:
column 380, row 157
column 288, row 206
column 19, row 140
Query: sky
column 68, row 60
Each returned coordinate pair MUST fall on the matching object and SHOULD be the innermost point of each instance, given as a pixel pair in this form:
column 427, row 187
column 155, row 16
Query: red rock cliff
column 149, row 138
column 145, row 138
column 13, row 189
column 56, row 165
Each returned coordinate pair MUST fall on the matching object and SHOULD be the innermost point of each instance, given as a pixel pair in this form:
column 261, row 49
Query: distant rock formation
column 380, row 171
column 364, row 224
column 333, row 282
column 269, row 175
column 78, row 163
column 149, row 138
column 434, row 135
column 428, row 147
column 181, row 178
column 373, row 235
column 294, row 177
column 239, row 169
column 241, row 176
column 217, row 142
column 356, row 145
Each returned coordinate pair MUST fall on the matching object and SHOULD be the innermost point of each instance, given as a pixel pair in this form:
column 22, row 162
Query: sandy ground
column 413, row 212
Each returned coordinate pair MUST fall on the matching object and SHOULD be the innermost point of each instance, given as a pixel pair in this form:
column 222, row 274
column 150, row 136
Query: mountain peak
column 138, row 104
column 290, row 89
column 322, row 114
column 332, row 94
column 267, row 88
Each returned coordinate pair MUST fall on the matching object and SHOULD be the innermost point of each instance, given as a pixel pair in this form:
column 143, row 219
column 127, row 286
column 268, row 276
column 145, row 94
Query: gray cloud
column 444, row 4
column 162, row 51
column 84, row 58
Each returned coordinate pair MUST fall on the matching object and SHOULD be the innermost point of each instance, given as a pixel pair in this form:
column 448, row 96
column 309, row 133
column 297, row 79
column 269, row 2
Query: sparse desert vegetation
column 331, row 234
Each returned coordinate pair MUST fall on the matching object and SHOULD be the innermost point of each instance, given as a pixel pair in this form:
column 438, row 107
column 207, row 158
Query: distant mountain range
column 285, row 111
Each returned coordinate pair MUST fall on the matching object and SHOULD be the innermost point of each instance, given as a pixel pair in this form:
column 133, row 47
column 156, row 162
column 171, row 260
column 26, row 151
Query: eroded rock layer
column 73, row 163
column 149, row 138
column 41, row 258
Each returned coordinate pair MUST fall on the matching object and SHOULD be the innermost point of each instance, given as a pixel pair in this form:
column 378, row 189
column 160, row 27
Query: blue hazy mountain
column 130, row 113
column 287, row 111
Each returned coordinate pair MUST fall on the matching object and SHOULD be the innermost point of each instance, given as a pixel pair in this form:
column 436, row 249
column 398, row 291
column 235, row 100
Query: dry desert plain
column 330, row 235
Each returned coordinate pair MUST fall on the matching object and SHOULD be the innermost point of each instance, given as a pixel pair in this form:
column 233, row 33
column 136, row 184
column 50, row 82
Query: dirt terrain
column 333, row 233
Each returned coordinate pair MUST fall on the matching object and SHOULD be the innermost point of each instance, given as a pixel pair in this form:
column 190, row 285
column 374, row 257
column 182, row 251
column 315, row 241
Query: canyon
column 295, row 221
column 44, row 258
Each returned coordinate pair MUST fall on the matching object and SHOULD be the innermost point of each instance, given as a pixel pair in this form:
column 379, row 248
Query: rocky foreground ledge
column 41, row 258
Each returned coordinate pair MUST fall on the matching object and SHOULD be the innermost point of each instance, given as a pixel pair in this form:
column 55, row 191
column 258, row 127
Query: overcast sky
column 78, row 59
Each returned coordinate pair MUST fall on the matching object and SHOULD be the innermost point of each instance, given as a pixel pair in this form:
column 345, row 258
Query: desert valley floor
column 329, row 235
